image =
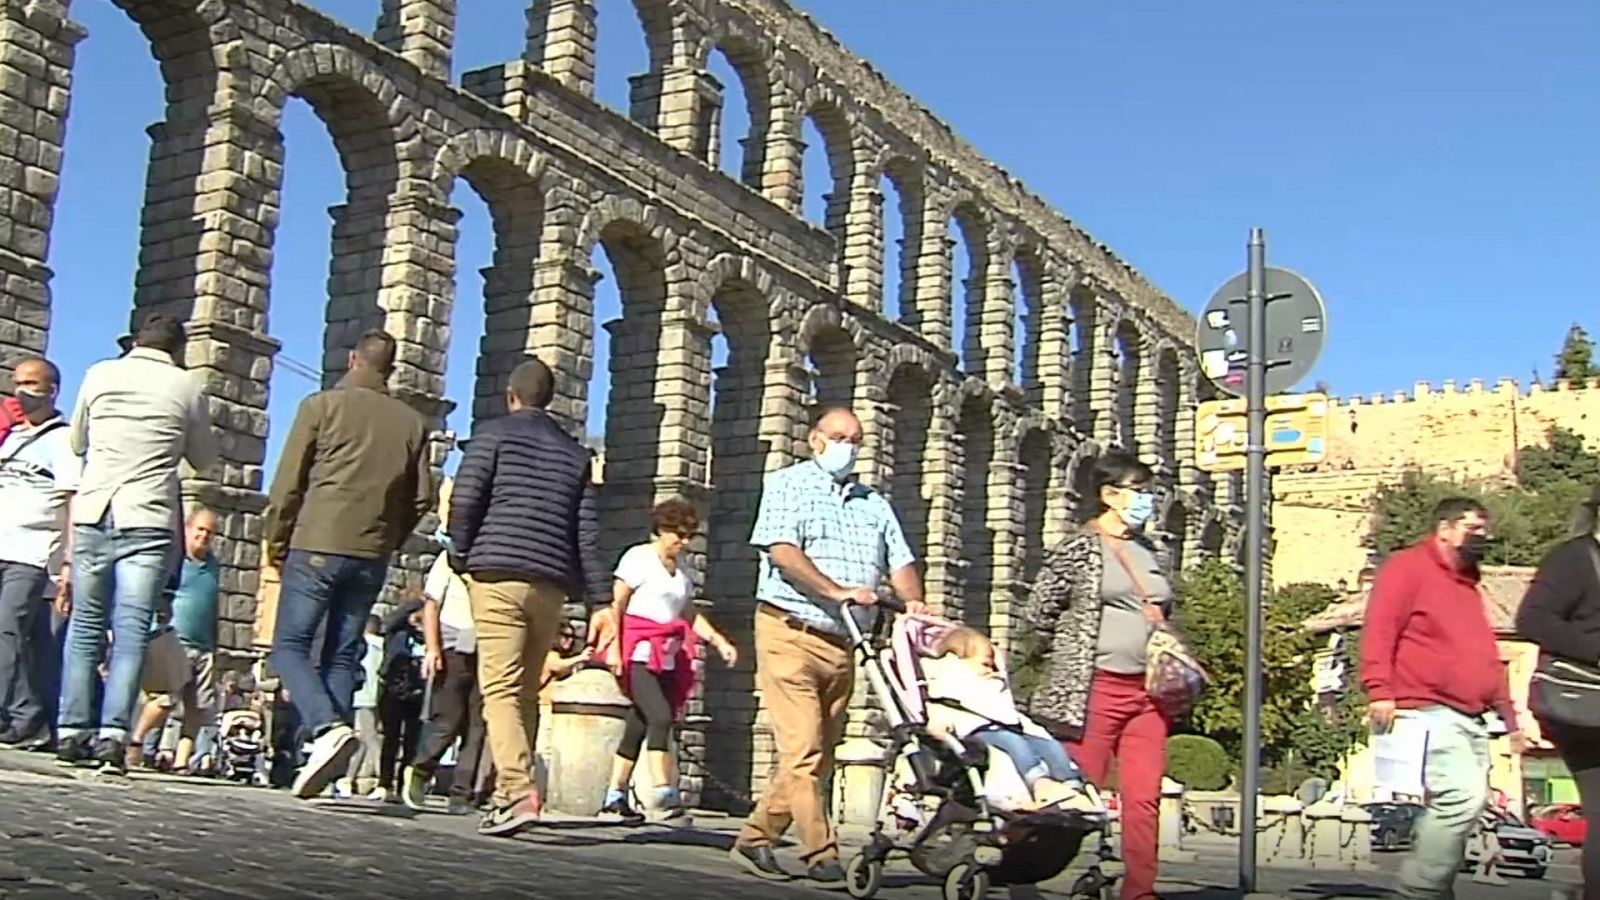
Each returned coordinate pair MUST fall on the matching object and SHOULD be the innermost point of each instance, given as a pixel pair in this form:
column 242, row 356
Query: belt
column 837, row 640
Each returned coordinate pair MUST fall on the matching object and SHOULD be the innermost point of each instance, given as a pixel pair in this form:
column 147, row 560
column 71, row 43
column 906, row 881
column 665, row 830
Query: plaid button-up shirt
column 849, row 531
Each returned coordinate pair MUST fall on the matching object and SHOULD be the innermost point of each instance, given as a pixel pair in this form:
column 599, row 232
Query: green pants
column 1456, row 778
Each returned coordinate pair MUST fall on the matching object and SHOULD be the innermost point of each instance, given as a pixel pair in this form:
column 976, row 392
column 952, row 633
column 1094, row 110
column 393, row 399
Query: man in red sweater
column 1428, row 654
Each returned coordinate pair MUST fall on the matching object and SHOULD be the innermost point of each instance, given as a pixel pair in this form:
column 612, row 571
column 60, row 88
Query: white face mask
column 838, row 458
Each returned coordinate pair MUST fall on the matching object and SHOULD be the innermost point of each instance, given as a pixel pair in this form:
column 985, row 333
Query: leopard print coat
column 1064, row 612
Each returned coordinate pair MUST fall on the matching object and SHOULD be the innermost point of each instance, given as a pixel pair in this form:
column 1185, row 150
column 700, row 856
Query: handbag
column 1173, row 678
column 1565, row 691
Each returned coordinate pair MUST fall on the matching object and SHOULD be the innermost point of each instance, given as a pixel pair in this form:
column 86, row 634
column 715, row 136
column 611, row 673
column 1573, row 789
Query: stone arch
column 1029, row 316
column 455, row 155
column 750, row 54
column 1212, row 536
column 1083, row 306
column 835, row 119
column 910, row 376
column 1086, row 503
column 975, row 229
column 905, row 174
column 834, row 343
column 511, row 178
column 191, row 69
column 642, row 221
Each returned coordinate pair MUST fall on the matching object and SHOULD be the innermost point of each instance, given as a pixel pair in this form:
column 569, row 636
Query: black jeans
column 1580, row 750
column 22, row 703
column 457, row 713
column 650, row 720
column 401, row 721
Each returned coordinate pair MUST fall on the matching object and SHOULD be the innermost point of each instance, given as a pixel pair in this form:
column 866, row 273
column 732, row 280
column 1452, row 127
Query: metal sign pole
column 1255, row 484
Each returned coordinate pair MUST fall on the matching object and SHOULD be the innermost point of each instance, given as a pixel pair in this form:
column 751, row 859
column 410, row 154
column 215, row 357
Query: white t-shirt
column 36, row 479
column 456, row 628
column 658, row 595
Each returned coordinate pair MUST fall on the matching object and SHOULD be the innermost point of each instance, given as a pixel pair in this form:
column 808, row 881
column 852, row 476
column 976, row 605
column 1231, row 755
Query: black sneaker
column 29, row 739
column 826, row 874
column 619, row 811
column 759, row 861
column 112, row 755
column 74, row 751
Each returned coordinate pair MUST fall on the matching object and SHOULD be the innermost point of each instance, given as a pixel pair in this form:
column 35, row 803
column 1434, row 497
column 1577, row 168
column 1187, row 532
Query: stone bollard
column 1171, row 823
column 1322, row 834
column 1355, row 832
column 588, row 710
column 860, row 770
column 1282, row 840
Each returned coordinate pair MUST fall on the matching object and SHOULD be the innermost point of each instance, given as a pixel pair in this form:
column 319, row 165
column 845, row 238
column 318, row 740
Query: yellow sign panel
column 1297, row 432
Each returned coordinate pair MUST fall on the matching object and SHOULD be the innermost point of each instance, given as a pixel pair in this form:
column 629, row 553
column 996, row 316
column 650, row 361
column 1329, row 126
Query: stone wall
column 985, row 461
column 1320, row 517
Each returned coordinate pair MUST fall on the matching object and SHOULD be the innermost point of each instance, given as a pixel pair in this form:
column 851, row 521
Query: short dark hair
column 376, row 349
column 51, row 370
column 161, row 332
column 1451, row 510
column 674, row 516
column 532, row 383
column 1118, row 469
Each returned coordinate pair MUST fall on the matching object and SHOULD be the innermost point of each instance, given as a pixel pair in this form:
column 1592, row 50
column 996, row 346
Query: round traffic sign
column 1297, row 323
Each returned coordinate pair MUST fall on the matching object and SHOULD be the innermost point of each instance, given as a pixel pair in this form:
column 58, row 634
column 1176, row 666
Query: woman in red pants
column 1097, row 600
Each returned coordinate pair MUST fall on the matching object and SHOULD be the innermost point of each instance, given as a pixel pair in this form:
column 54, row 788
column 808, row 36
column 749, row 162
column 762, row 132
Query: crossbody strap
column 52, row 426
column 1122, row 560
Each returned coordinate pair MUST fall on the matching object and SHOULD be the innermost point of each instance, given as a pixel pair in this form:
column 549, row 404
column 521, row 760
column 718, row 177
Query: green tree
column 1576, row 359
column 1211, row 612
column 1198, row 763
column 1563, row 460
column 1403, row 511
column 1323, row 734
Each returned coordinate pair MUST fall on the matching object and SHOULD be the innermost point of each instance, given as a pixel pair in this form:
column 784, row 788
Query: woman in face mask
column 1096, row 602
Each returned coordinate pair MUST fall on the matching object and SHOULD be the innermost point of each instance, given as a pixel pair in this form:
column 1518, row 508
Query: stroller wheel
column 966, row 881
column 863, row 877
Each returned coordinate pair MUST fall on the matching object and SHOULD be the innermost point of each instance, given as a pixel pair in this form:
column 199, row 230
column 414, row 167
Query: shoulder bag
column 1173, row 678
column 1564, row 691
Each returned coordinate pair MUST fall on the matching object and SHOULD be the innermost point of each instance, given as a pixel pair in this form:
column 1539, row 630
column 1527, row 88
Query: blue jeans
column 1456, row 777
column 342, row 591
column 117, row 579
column 1035, row 757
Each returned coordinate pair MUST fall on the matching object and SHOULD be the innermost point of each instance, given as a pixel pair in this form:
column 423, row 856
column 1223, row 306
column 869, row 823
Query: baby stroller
column 243, row 746
column 945, row 803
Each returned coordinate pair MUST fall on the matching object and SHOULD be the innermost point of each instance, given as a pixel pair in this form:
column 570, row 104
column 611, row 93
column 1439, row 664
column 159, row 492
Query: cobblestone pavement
column 64, row 833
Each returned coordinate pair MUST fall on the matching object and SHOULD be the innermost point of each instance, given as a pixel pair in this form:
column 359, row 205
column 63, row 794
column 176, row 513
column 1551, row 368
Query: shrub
column 1198, row 763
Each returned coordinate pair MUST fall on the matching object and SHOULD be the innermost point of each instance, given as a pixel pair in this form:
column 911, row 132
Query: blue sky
column 1432, row 166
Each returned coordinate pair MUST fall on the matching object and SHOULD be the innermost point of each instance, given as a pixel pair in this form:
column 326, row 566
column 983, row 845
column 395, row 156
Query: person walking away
column 654, row 656
column 1098, row 599
column 38, row 475
column 136, row 418
column 1429, row 654
column 351, row 485
column 401, row 693
column 192, row 638
column 363, row 766
column 826, row 541
column 1561, row 613
column 524, row 532
column 451, row 663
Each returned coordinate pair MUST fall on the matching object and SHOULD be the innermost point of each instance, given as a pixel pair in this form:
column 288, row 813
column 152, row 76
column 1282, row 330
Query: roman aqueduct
column 983, row 456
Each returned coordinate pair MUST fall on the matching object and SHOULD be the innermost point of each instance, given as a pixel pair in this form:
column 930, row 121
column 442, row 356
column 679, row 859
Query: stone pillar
column 669, row 102
column 423, row 32
column 1003, row 519
column 861, row 250
column 1146, row 388
column 783, row 163
column 1047, row 380
column 1102, row 402
column 549, row 319
column 1082, row 307
column 940, row 473
column 932, row 313
column 561, row 41
column 991, row 321
column 1190, row 477
column 36, row 55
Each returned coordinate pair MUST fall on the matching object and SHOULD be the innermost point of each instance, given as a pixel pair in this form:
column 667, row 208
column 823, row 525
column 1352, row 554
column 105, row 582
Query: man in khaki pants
column 826, row 541
column 524, row 534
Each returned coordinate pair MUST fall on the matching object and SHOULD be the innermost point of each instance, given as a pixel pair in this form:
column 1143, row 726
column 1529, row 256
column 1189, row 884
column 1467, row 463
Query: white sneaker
column 330, row 755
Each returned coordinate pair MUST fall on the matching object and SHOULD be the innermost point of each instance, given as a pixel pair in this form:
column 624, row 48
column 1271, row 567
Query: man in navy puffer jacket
column 525, row 536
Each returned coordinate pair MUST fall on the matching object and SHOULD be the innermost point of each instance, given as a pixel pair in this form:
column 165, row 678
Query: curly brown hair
column 674, row 517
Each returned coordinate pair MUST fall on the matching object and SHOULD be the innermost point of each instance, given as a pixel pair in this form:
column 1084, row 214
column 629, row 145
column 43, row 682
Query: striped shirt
column 849, row 531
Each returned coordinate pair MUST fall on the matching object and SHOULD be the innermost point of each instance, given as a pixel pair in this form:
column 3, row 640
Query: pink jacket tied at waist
column 638, row 630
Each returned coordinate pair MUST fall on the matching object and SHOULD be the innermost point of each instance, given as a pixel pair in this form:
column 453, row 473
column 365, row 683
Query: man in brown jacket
column 352, row 484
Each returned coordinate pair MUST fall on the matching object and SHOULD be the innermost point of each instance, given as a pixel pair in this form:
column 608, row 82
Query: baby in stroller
column 969, row 698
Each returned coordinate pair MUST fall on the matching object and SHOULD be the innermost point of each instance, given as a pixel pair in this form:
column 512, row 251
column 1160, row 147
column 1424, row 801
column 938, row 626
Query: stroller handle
column 857, row 637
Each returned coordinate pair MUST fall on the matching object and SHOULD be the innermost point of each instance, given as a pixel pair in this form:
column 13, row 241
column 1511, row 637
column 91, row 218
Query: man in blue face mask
column 826, row 542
